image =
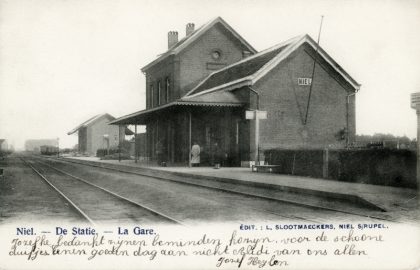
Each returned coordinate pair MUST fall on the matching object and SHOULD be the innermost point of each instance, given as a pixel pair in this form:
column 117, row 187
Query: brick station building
column 200, row 89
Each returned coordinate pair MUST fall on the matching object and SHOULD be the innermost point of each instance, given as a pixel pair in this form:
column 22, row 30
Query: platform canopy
column 219, row 98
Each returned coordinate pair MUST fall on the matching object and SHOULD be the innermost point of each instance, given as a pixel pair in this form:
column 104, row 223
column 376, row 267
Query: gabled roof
column 253, row 68
column 215, row 89
column 186, row 41
column 90, row 121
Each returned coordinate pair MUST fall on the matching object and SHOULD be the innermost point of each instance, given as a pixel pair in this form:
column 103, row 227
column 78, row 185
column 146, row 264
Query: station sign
column 304, row 81
column 251, row 114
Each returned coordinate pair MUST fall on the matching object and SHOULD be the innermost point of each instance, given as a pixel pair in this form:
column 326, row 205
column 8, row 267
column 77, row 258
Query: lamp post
column 258, row 115
column 58, row 147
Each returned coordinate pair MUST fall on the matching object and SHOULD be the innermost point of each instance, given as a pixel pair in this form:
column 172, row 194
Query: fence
column 389, row 167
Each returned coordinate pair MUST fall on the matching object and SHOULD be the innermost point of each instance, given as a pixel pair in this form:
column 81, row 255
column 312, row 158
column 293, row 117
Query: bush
column 124, row 147
column 116, row 156
column 389, row 167
column 103, row 152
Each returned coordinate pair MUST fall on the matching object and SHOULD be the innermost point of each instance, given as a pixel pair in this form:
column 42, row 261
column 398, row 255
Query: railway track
column 233, row 204
column 312, row 217
column 96, row 204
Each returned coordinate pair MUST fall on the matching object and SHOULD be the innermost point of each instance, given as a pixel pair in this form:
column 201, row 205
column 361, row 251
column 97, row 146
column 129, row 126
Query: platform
column 389, row 199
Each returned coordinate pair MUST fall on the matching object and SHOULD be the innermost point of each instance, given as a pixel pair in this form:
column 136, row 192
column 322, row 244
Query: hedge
column 389, row 167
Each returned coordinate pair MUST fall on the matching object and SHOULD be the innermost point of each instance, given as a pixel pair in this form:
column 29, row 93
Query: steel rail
column 154, row 212
column 80, row 211
column 301, row 204
column 235, row 204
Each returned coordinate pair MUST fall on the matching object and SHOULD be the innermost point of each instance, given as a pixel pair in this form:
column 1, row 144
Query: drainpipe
column 347, row 118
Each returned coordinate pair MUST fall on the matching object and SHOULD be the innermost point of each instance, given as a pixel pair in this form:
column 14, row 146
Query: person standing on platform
column 195, row 155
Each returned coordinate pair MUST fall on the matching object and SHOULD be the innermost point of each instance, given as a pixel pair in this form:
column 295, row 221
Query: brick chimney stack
column 172, row 38
column 189, row 29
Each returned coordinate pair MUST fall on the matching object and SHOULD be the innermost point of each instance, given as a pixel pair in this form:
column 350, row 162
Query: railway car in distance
column 49, row 150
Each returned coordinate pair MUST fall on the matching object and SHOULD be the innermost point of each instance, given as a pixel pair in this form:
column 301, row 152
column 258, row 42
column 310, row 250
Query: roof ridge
column 285, row 53
column 259, row 54
column 89, row 121
column 263, row 52
column 177, row 47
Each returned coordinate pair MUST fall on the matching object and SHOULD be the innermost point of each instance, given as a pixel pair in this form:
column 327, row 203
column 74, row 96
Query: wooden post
column 135, row 143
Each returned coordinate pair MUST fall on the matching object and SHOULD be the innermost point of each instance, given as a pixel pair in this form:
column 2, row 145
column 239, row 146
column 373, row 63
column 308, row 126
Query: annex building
column 201, row 88
column 96, row 133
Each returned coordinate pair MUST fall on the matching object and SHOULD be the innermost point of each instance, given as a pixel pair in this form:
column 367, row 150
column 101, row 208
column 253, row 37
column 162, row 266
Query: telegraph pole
column 313, row 72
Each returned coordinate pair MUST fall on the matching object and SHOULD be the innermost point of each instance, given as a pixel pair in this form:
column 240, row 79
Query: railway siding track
column 223, row 187
column 235, row 200
column 94, row 203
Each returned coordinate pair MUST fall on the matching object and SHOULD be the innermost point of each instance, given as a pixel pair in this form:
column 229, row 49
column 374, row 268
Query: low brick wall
column 388, row 167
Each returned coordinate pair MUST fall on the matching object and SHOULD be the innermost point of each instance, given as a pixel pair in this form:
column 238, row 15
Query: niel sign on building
column 304, row 81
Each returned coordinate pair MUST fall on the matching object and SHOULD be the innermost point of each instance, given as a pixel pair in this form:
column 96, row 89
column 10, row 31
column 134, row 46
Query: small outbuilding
column 96, row 133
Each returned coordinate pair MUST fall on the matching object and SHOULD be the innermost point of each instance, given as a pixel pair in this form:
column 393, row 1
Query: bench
column 266, row 168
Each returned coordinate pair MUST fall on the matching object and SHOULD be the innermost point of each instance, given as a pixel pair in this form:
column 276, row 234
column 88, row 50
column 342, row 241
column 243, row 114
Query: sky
column 64, row 61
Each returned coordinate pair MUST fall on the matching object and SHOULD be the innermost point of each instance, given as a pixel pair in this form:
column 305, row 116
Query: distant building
column 34, row 145
column 96, row 133
column 3, row 145
column 201, row 88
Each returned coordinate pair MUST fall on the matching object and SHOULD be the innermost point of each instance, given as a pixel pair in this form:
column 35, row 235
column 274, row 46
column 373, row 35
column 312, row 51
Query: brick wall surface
column 163, row 70
column 191, row 65
column 194, row 59
column 286, row 103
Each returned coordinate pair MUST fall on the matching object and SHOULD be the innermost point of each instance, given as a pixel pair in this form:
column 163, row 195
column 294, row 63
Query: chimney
column 189, row 29
column 172, row 38
column 246, row 54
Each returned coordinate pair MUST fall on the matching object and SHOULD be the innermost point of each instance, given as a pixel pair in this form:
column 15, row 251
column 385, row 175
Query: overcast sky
column 61, row 62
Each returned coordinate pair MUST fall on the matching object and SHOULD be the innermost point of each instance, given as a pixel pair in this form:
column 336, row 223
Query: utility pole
column 313, row 73
column 135, row 143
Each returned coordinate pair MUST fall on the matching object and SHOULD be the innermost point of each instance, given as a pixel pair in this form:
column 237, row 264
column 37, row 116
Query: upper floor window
column 167, row 88
column 152, row 94
column 216, row 54
column 159, row 93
